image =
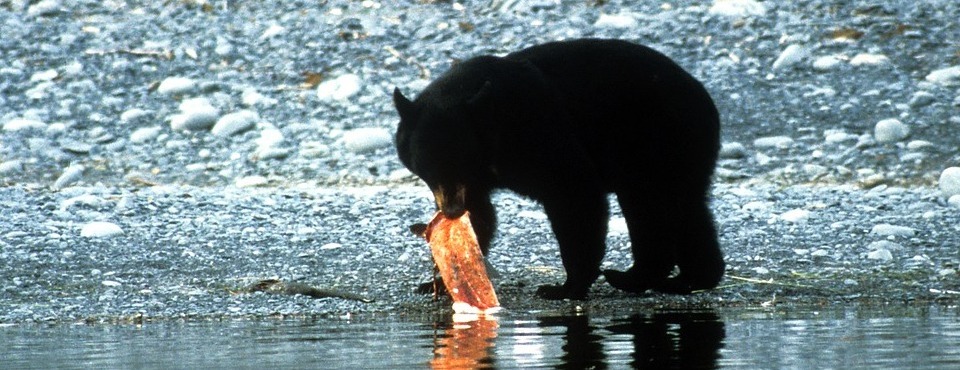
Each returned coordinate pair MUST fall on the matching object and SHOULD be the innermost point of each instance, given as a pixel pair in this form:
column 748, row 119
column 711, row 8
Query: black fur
column 566, row 123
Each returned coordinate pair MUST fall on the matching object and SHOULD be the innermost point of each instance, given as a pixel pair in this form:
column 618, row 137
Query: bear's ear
column 481, row 95
column 405, row 107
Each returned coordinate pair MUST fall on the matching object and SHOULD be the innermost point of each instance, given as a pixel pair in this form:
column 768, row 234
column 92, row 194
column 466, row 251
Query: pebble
column 617, row 225
column 950, row 182
column 110, row 283
column 11, row 167
column 795, row 215
column 954, row 201
column 921, row 99
column 145, row 134
column 195, row 114
column 733, row 150
column 884, row 245
column 890, row 130
column 880, row 254
column 737, row 8
column 70, row 176
column 47, row 75
column 866, row 59
column 273, row 30
column 773, row 142
column 920, row 145
column 826, row 63
column 234, row 123
column 367, row 139
column 134, row 114
column 945, row 76
column 176, row 86
column 100, row 229
column 23, row 124
column 790, row 56
column 892, row 230
column 838, row 136
column 251, row 97
column 621, row 21
column 251, row 181
column 44, row 8
column 339, row 89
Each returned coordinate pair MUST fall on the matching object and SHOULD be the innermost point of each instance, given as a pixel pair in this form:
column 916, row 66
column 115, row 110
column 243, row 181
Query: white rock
column 618, row 225
column 921, row 99
column 251, row 181
column 73, row 69
column 11, row 167
column 737, row 8
column 950, row 182
column 880, row 254
column 273, row 30
column 826, row 63
column 44, row 7
column 270, row 137
column 70, row 175
column 820, row 253
column 234, row 123
column 919, row 145
column 88, row 200
column 790, row 56
column 838, row 136
column 945, row 76
column 131, row 115
column 866, row 59
column 100, row 230
column 534, row 215
column 954, row 201
column 884, row 245
column 890, row 130
column 892, row 230
column 773, row 142
column 23, row 124
column 110, row 283
column 330, row 246
column 616, row 21
column 252, row 97
column 795, row 215
column 340, row 88
column 176, row 86
column 47, row 75
column 366, row 139
column 196, row 114
column 145, row 134
column 733, row 150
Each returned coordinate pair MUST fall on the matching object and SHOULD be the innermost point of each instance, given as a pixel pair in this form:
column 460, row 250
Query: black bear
column 566, row 123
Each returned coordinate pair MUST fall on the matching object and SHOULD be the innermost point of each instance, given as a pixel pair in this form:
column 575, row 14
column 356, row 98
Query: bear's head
column 450, row 135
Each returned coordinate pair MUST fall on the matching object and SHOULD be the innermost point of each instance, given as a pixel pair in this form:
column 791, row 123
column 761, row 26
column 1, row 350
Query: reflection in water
column 679, row 340
column 674, row 340
column 846, row 338
column 465, row 343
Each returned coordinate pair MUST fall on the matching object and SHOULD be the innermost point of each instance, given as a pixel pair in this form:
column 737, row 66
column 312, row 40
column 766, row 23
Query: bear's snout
column 451, row 200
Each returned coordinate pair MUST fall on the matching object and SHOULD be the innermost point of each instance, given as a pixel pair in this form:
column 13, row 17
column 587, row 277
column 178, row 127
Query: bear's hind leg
column 702, row 264
column 652, row 223
column 579, row 222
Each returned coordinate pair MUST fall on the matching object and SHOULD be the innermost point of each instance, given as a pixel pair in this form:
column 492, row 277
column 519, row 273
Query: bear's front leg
column 579, row 221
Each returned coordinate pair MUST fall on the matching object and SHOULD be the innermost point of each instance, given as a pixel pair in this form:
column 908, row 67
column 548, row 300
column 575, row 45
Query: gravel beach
column 158, row 157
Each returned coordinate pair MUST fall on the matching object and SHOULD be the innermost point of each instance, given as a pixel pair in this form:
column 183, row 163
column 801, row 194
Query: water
column 843, row 338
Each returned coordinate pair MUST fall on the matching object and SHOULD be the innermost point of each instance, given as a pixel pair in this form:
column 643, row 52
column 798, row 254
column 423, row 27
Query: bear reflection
column 662, row 340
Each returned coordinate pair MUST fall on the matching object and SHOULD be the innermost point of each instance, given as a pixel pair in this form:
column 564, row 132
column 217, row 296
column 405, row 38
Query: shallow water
column 844, row 338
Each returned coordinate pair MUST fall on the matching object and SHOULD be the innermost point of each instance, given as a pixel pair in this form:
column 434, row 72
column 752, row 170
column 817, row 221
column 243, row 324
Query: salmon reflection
column 465, row 344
